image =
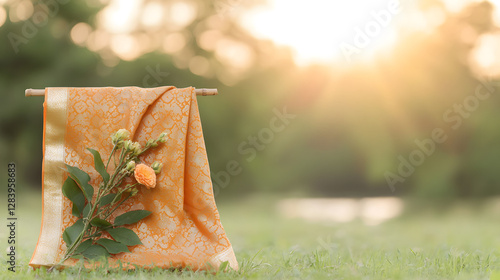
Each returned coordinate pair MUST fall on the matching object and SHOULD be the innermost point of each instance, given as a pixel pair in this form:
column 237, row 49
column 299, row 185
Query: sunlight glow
column 80, row 33
column 97, row 40
column 125, row 46
column 174, row 42
column 200, row 66
column 485, row 59
column 120, row 16
column 180, row 14
column 316, row 29
column 455, row 6
column 3, row 15
column 21, row 11
column 152, row 14
column 496, row 12
column 235, row 54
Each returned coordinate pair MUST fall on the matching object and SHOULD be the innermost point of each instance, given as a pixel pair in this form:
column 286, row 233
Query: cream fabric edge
column 226, row 255
column 47, row 249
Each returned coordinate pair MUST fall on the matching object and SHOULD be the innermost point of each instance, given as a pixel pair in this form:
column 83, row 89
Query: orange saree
column 184, row 229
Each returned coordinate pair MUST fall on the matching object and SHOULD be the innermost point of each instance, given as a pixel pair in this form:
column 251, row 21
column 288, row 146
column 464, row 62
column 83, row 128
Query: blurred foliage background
column 356, row 116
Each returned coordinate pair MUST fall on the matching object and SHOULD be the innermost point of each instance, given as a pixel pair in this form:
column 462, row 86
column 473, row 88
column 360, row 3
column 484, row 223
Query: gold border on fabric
column 46, row 252
column 226, row 255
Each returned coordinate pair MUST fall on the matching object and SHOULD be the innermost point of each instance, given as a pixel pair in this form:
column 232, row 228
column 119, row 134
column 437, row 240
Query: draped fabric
column 184, row 229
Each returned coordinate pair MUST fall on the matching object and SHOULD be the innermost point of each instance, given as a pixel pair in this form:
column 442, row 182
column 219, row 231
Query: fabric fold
column 184, row 229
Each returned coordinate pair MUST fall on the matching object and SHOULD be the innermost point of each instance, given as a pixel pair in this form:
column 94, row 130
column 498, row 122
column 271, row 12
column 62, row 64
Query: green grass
column 460, row 242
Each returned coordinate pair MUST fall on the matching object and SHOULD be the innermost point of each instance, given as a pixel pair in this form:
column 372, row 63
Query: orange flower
column 145, row 175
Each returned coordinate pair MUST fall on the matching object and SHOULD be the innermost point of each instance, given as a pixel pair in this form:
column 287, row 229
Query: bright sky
column 317, row 31
column 325, row 31
column 339, row 31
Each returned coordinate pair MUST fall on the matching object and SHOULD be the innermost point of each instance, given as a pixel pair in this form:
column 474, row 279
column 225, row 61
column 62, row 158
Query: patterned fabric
column 184, row 229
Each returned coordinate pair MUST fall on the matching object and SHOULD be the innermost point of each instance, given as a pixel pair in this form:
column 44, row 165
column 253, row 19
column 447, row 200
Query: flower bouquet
column 94, row 235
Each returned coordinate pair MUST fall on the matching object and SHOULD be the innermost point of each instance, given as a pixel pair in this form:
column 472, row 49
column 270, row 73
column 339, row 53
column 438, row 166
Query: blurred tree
column 353, row 123
column 369, row 116
column 67, row 43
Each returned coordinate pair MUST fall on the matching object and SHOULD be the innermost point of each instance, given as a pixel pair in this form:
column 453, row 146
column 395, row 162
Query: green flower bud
column 134, row 192
column 152, row 143
column 130, row 166
column 156, row 167
column 119, row 136
column 136, row 148
column 127, row 145
column 163, row 137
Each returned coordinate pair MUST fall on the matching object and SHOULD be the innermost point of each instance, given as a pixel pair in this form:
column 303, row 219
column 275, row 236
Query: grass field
column 460, row 242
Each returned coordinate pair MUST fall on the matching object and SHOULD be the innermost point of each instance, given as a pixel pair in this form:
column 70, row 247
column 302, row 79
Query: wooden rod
column 199, row 91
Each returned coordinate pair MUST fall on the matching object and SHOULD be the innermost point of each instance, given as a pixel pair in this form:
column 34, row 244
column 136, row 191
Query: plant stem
column 117, row 170
column 110, row 156
column 88, row 230
column 86, row 220
column 118, row 205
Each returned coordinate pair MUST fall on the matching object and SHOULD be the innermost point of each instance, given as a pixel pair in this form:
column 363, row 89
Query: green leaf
column 72, row 232
column 95, row 251
column 71, row 190
column 112, row 246
column 83, row 246
column 82, row 179
column 100, row 223
column 99, row 165
column 76, row 256
column 74, row 211
column 125, row 236
column 223, row 266
column 131, row 217
column 86, row 210
column 107, row 199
